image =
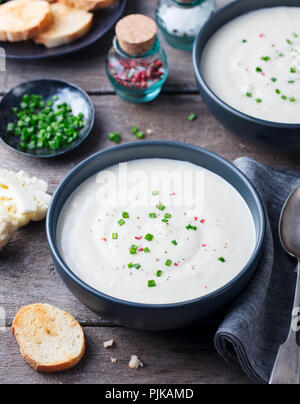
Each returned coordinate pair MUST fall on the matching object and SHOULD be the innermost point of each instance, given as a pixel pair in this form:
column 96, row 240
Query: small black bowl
column 283, row 136
column 154, row 316
column 78, row 100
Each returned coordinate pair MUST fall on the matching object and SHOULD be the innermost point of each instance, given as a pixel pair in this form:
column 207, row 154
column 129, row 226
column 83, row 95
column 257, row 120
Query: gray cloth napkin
column 257, row 322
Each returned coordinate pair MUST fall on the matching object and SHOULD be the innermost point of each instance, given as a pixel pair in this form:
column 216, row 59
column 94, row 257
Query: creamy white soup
column 253, row 64
column 156, row 231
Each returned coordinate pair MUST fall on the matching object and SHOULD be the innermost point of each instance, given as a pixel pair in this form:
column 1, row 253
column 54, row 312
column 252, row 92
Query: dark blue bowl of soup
column 279, row 135
column 155, row 316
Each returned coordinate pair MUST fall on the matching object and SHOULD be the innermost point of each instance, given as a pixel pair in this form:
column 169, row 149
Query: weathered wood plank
column 86, row 68
column 222, row 3
column 183, row 356
column 167, row 118
column 27, row 272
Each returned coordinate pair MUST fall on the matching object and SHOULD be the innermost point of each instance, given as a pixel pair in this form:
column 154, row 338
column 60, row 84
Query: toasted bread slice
column 88, row 5
column 50, row 340
column 68, row 25
column 23, row 19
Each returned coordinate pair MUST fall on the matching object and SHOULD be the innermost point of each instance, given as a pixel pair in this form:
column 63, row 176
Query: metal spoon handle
column 287, row 365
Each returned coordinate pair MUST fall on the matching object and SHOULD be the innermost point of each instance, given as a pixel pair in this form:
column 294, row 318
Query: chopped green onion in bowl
column 44, row 124
column 67, row 111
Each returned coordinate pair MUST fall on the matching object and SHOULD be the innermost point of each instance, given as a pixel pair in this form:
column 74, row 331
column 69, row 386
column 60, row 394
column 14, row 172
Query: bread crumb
column 113, row 360
column 135, row 363
column 108, row 344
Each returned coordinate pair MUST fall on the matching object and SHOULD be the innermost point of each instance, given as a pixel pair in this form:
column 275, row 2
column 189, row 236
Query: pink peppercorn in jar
column 136, row 65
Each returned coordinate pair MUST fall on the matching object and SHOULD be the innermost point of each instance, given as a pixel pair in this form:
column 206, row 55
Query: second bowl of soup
column 247, row 63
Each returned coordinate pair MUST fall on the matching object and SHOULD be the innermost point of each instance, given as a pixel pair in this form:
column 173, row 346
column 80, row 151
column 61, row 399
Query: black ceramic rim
column 76, row 47
column 136, row 145
column 60, row 152
column 197, row 56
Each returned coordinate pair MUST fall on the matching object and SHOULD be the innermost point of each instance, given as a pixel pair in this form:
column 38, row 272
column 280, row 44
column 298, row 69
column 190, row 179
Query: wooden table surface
column 27, row 274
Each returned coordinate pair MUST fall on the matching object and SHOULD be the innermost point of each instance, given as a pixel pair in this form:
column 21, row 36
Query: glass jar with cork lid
column 136, row 64
column 181, row 20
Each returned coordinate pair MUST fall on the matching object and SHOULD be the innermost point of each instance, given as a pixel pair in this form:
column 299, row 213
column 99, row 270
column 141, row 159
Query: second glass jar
column 181, row 20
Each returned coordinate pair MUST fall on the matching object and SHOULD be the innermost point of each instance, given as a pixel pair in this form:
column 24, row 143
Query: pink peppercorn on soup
column 156, row 231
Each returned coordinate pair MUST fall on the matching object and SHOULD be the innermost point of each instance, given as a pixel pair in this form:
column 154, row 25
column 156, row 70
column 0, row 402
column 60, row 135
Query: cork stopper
column 136, row 34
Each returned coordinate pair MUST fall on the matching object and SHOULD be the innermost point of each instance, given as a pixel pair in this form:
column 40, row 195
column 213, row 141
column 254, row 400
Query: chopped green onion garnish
column 192, row 117
column 149, row 237
column 137, row 266
column 277, row 91
column 115, row 236
column 291, row 81
column 281, row 55
column 125, row 215
column 190, row 227
column 259, row 70
column 249, row 95
column 146, row 250
column 274, row 79
column 134, row 130
column 165, row 220
column 133, row 251
column 222, row 259
column 174, row 242
column 114, row 137
column 152, row 215
column 10, row 127
column 130, row 265
column 284, row 97
column 258, row 100
column 295, row 35
column 168, row 263
column 121, row 222
column 161, row 207
column 289, row 42
column 292, row 99
column 244, row 40
column 155, row 193
column 151, row 284
column 293, row 69
column 159, row 274
column 266, row 58
column 168, row 216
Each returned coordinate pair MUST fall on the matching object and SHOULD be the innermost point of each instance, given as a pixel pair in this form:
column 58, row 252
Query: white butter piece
column 24, row 198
